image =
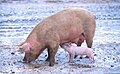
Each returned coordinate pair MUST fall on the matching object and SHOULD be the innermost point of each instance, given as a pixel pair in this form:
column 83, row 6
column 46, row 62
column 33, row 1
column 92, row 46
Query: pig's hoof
column 26, row 61
column 81, row 57
column 56, row 62
column 75, row 56
column 93, row 61
column 51, row 64
column 86, row 57
column 71, row 61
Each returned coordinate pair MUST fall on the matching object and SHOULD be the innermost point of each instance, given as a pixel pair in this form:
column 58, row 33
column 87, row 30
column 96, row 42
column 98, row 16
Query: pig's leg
column 89, row 39
column 89, row 33
column 53, row 42
column 52, row 55
column 48, row 58
column 81, row 39
column 53, row 47
column 79, row 43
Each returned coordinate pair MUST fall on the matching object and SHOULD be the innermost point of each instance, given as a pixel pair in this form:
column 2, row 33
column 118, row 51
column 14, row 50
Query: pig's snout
column 29, row 57
column 27, row 60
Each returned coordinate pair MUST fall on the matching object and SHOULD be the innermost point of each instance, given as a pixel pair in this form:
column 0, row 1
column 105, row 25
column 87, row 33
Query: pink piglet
column 75, row 50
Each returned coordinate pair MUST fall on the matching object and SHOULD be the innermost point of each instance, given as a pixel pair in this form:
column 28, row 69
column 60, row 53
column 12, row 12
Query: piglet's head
column 68, row 44
column 30, row 54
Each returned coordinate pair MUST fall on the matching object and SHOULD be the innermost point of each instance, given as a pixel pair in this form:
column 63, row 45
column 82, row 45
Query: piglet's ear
column 26, row 47
column 70, row 44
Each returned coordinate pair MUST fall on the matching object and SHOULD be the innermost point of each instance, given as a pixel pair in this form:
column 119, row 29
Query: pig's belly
column 70, row 39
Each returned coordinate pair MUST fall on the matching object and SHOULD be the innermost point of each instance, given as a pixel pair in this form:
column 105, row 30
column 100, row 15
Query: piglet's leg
column 92, row 58
column 71, row 58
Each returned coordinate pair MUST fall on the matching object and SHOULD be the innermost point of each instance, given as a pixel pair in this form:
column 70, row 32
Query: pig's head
column 30, row 54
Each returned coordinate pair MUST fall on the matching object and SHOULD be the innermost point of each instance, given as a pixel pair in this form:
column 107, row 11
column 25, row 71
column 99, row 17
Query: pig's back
column 71, row 19
column 67, row 23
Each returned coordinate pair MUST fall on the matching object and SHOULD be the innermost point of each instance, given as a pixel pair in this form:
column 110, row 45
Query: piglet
column 76, row 50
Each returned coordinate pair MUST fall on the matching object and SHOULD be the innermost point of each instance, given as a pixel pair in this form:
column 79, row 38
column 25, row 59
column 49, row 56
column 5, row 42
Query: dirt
column 18, row 19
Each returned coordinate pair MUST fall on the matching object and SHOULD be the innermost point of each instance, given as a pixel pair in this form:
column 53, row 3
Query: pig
column 67, row 25
column 77, row 50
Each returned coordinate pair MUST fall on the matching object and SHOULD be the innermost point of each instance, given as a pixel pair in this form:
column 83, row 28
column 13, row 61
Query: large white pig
column 69, row 25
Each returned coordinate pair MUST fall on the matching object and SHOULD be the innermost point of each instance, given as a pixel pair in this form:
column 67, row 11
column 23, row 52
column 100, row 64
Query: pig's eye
column 29, row 59
column 31, row 49
column 28, row 54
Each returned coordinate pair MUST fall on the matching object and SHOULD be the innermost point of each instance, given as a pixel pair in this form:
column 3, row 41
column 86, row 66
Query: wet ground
column 18, row 19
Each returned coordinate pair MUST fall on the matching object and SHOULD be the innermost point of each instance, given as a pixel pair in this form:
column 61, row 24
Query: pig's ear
column 20, row 47
column 26, row 47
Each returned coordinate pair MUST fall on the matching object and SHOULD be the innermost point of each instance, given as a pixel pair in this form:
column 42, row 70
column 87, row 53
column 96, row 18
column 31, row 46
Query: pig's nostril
column 29, row 59
column 24, row 59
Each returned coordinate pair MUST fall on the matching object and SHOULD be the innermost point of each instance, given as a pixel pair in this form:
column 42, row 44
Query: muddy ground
column 17, row 19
